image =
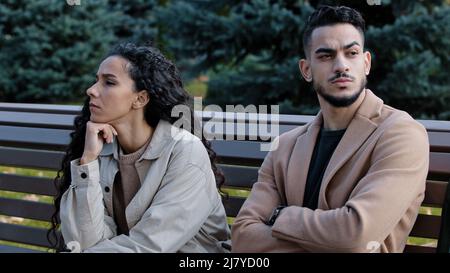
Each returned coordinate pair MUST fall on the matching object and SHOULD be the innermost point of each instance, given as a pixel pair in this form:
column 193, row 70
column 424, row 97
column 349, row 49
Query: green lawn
column 29, row 197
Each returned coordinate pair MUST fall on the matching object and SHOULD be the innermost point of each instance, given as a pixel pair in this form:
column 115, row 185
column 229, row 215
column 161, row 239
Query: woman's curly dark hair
column 150, row 71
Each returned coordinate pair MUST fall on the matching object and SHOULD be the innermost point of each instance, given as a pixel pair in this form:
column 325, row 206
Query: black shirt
column 326, row 143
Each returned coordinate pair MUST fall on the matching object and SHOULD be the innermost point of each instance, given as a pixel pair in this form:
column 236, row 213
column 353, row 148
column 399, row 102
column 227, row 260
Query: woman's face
column 112, row 94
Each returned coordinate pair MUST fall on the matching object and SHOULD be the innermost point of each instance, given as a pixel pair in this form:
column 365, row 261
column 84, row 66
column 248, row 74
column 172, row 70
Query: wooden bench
column 35, row 135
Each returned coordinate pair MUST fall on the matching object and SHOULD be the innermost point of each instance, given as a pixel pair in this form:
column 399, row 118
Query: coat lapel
column 299, row 162
column 359, row 129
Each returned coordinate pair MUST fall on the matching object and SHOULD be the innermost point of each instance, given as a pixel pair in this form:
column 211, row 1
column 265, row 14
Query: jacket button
column 106, row 189
column 83, row 175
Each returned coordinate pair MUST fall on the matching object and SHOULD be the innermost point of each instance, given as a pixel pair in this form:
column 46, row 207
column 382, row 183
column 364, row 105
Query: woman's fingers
column 103, row 130
column 106, row 132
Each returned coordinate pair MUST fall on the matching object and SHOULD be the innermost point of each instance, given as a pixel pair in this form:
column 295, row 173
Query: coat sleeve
column 84, row 220
column 176, row 214
column 393, row 184
column 249, row 231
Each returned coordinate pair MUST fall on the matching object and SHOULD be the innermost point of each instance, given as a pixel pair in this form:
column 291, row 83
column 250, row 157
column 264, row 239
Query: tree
column 250, row 50
column 137, row 22
column 49, row 50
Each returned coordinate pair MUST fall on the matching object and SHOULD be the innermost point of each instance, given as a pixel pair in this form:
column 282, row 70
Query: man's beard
column 339, row 101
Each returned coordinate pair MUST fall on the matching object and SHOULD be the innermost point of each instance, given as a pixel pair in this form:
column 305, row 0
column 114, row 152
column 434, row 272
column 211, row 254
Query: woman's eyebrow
column 106, row 75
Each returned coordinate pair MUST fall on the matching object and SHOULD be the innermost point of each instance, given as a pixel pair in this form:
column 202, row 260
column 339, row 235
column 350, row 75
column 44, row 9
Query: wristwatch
column 274, row 215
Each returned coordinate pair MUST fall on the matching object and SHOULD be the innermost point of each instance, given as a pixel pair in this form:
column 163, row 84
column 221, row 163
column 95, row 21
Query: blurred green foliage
column 247, row 50
column 250, row 50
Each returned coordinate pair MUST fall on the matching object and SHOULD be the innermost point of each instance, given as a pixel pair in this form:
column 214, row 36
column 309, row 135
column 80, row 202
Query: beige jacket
column 177, row 208
column 370, row 193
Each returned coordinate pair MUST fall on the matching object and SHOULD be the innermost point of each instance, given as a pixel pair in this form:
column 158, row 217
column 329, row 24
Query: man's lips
column 341, row 80
column 93, row 105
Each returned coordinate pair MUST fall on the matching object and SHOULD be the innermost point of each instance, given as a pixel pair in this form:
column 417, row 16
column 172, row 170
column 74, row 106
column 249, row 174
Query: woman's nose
column 92, row 91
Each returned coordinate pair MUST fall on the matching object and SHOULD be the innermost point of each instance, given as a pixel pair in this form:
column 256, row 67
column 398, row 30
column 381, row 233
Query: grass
column 29, row 197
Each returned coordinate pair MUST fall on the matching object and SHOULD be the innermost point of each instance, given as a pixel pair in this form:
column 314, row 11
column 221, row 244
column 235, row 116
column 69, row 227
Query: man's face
column 337, row 64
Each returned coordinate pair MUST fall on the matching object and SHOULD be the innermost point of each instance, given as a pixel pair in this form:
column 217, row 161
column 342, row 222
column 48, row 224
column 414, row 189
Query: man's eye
column 354, row 53
column 110, row 83
column 326, row 56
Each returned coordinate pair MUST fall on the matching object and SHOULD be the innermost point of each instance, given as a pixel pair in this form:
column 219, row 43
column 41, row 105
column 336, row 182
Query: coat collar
column 359, row 129
column 160, row 138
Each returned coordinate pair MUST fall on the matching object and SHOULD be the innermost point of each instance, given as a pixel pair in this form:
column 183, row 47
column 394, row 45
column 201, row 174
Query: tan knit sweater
column 130, row 178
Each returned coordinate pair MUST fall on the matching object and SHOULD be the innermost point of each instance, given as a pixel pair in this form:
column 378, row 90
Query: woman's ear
column 305, row 69
column 142, row 98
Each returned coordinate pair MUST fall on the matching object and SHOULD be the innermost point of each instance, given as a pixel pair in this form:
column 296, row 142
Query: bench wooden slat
column 439, row 166
column 26, row 209
column 439, row 142
column 435, row 125
column 30, row 158
column 435, row 193
column 14, row 249
column 24, row 234
column 241, row 177
column 239, row 152
column 232, row 205
column 427, row 226
column 40, row 108
column 38, row 138
column 40, row 120
column 419, row 249
column 24, row 131
column 27, row 184
column 431, row 125
column 244, row 131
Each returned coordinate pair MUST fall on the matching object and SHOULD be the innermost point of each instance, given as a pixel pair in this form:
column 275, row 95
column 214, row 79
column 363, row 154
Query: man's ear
column 305, row 69
column 367, row 62
column 142, row 98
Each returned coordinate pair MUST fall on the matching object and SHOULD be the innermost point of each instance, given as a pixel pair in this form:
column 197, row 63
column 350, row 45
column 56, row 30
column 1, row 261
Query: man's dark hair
column 328, row 15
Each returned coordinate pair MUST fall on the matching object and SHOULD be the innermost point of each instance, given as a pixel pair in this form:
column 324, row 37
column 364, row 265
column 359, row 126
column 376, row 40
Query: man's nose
column 340, row 65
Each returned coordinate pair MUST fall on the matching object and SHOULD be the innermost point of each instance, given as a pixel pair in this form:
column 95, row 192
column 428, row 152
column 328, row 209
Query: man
column 353, row 179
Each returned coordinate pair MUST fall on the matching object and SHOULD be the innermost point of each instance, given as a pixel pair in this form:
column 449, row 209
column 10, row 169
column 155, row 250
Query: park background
column 229, row 52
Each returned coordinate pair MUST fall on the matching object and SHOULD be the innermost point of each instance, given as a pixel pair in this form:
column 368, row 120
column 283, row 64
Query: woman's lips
column 93, row 106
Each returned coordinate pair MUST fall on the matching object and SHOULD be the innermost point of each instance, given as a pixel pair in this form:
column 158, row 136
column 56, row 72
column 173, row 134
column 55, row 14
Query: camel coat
column 369, row 196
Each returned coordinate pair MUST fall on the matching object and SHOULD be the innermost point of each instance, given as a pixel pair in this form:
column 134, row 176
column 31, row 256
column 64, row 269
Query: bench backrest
column 34, row 136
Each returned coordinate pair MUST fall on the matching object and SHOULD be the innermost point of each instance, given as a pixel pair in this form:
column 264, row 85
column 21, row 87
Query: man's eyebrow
column 325, row 50
column 331, row 51
column 351, row 44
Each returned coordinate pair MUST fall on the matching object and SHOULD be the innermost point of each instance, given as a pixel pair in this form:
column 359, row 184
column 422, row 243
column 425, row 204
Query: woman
column 133, row 182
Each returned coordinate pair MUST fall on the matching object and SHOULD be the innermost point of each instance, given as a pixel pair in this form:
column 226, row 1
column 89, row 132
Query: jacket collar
column 161, row 137
column 359, row 129
column 357, row 132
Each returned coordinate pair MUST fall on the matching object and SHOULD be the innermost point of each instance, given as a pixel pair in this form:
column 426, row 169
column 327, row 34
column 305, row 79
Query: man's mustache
column 341, row 75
